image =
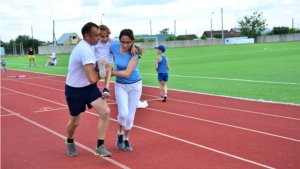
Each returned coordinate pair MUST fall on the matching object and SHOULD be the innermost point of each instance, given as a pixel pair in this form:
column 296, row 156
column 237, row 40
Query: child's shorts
column 163, row 77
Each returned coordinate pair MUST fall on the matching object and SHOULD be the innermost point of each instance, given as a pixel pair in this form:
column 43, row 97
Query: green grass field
column 269, row 71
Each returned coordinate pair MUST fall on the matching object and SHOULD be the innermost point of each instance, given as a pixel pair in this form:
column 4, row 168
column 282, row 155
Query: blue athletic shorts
column 79, row 98
column 163, row 77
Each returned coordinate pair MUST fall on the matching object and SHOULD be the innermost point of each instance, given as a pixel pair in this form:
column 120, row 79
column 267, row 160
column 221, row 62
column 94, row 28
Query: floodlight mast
column 211, row 28
column 101, row 19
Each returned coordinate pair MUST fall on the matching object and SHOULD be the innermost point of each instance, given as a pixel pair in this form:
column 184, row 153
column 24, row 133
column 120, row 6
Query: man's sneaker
column 120, row 143
column 164, row 98
column 101, row 151
column 71, row 149
column 101, row 66
column 105, row 92
column 127, row 146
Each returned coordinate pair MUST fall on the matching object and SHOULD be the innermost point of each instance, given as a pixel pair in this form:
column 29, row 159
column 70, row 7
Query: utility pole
column 211, row 28
column 175, row 27
column 53, row 33
column 150, row 28
column 222, row 24
column 101, row 19
column 32, row 39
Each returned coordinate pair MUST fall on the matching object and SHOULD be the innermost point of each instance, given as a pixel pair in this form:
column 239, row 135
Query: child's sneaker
column 101, row 64
column 105, row 92
column 164, row 98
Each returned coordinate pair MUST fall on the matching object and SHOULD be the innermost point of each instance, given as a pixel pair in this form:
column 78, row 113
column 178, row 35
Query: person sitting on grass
column 53, row 60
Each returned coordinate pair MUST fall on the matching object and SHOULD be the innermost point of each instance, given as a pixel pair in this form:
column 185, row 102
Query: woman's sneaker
column 120, row 143
column 101, row 66
column 127, row 146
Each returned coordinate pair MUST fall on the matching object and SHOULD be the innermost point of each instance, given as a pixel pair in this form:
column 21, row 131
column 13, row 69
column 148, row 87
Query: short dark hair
column 88, row 27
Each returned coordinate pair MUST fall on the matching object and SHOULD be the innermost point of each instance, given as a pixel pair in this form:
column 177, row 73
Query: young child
column 3, row 65
column 104, row 57
column 162, row 68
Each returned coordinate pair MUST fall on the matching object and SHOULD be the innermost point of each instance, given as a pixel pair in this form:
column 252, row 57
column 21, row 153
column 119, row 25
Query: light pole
column 211, row 28
column 101, row 18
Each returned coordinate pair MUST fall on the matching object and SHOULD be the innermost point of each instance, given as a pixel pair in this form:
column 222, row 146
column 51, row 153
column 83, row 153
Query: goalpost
column 155, row 39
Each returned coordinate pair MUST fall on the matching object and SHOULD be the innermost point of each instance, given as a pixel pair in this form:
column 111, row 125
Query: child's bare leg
column 165, row 87
column 108, row 69
column 161, row 89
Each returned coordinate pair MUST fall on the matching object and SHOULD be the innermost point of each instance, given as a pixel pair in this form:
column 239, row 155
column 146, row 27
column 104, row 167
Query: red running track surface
column 190, row 130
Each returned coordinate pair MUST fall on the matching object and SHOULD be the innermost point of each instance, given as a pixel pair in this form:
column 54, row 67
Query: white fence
column 185, row 43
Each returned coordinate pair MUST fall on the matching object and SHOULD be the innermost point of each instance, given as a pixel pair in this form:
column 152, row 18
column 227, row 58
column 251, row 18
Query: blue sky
column 180, row 16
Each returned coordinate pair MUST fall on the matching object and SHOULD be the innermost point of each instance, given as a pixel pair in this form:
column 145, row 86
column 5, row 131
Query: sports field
column 269, row 71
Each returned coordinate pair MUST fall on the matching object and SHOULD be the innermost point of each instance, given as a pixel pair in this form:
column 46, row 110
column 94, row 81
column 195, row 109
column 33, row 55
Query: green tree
column 139, row 39
column 164, row 31
column 203, row 37
column 253, row 26
column 170, row 38
column 280, row 30
column 150, row 40
column 26, row 41
column 218, row 36
column 180, row 38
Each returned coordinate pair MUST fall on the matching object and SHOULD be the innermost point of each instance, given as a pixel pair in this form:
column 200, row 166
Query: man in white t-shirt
column 81, row 89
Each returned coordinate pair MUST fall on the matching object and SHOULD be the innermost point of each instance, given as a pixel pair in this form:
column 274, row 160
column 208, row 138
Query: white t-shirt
column 103, row 50
column 82, row 54
column 53, row 56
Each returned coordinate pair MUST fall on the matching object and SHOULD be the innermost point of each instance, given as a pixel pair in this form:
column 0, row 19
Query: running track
column 188, row 131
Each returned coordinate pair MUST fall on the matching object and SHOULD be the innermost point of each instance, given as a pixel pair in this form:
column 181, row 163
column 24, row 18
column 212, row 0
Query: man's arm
column 92, row 75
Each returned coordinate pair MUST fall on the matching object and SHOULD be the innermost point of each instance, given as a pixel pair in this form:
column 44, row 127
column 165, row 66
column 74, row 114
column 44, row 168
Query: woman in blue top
column 128, row 86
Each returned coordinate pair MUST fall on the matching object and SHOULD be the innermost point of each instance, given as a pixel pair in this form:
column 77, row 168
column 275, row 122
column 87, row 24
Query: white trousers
column 127, row 97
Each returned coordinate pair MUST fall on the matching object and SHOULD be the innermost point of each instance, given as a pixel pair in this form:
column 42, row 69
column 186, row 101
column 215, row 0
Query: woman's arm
column 127, row 72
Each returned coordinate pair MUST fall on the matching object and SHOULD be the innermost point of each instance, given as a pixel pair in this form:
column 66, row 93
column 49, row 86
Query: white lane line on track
column 63, row 137
column 5, row 115
column 200, row 104
column 185, row 141
column 38, row 111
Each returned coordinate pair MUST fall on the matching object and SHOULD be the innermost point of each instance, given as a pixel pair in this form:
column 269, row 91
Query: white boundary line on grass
column 217, row 78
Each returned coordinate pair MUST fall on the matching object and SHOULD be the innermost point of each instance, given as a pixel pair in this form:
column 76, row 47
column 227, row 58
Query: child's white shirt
column 103, row 50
